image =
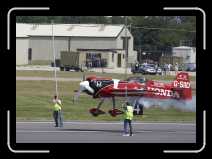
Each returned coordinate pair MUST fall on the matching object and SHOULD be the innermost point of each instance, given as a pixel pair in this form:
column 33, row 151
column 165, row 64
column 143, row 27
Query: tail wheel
column 138, row 109
column 176, row 95
column 112, row 113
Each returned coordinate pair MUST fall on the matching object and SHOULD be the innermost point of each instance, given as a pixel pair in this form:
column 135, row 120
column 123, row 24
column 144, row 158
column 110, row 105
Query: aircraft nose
column 83, row 85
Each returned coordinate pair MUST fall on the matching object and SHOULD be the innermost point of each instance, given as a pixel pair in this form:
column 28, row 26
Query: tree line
column 151, row 33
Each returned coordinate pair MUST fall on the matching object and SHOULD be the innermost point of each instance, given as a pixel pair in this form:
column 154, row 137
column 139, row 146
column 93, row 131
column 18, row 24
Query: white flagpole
column 55, row 68
column 126, row 48
column 126, row 54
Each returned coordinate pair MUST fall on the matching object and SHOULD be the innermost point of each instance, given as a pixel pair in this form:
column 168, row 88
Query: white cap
column 59, row 102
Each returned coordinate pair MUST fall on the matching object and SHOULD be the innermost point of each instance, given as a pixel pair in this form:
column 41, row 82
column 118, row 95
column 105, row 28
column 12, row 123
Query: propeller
column 84, row 86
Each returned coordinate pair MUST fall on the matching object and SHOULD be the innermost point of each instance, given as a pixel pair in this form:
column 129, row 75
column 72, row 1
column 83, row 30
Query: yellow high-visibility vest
column 129, row 113
column 57, row 107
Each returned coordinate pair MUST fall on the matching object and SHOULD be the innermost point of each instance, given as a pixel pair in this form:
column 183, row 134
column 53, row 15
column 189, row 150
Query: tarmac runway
column 104, row 132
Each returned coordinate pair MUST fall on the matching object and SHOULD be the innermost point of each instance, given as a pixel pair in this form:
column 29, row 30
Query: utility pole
column 126, row 48
column 54, row 58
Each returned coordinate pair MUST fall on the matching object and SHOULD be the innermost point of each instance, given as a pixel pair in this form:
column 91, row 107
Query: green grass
column 40, row 62
column 34, row 102
column 80, row 75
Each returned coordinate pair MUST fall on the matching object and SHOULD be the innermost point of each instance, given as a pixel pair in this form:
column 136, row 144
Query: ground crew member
column 136, row 66
column 57, row 113
column 128, row 116
column 55, row 99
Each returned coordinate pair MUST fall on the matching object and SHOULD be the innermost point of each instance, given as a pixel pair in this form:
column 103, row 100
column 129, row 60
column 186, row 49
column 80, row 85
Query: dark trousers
column 55, row 116
column 127, row 122
column 58, row 118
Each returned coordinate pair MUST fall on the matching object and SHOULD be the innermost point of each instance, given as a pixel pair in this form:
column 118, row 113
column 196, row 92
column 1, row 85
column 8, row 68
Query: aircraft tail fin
column 182, row 76
column 182, row 85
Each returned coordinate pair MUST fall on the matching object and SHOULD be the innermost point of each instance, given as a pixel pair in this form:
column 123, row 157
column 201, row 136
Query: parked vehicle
column 147, row 69
column 159, row 71
column 70, row 61
column 190, row 67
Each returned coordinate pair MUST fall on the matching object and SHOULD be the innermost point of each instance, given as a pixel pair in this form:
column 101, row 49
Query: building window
column 187, row 57
column 95, row 60
column 125, row 43
column 30, row 54
column 123, row 56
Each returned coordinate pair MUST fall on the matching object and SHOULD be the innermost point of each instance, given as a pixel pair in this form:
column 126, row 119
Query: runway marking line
column 104, row 123
column 22, row 131
column 94, row 131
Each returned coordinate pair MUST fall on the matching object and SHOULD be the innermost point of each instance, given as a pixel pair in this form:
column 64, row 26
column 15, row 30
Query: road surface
column 104, row 132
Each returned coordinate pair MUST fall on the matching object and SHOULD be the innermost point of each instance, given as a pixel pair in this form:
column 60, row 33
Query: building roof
column 72, row 30
column 22, row 30
column 182, row 47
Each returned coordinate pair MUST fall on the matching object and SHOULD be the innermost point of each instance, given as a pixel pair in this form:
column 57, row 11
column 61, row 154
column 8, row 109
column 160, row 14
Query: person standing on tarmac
column 128, row 116
column 57, row 113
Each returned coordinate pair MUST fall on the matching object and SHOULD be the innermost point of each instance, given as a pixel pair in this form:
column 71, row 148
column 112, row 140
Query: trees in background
column 153, row 33
column 161, row 33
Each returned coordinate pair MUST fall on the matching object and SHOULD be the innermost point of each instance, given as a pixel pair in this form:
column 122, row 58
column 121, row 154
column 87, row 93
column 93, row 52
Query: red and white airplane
column 98, row 87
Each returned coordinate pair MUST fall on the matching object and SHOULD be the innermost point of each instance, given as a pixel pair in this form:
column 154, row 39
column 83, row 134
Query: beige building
column 22, row 45
column 92, row 40
column 188, row 53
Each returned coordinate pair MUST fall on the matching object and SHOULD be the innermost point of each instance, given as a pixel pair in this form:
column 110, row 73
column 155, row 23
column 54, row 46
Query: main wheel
column 95, row 112
column 115, row 112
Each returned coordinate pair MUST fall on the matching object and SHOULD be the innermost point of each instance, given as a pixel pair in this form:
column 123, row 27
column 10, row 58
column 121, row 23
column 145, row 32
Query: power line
column 168, row 29
column 129, row 26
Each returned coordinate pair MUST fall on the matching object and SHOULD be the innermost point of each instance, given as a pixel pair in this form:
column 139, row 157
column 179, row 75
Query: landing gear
column 113, row 112
column 138, row 109
column 176, row 94
column 96, row 111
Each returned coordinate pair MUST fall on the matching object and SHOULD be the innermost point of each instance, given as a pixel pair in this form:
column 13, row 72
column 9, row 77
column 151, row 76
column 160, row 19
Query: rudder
column 182, row 86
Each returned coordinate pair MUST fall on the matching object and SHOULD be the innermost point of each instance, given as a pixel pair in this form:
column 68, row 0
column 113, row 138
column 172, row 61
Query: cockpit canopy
column 137, row 79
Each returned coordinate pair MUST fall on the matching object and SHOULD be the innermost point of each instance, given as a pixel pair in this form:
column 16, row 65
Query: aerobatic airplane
column 98, row 87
